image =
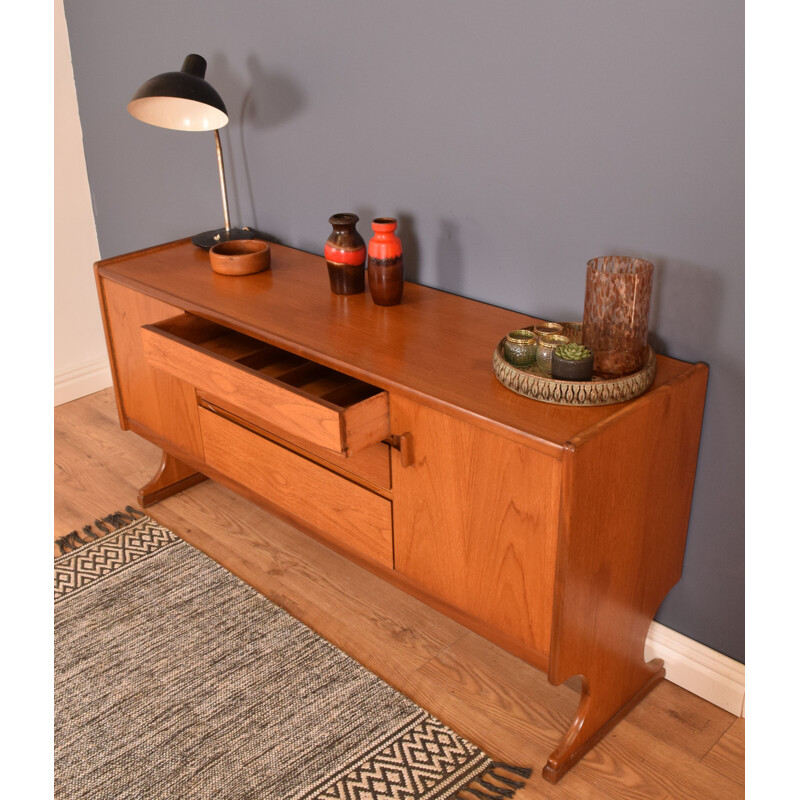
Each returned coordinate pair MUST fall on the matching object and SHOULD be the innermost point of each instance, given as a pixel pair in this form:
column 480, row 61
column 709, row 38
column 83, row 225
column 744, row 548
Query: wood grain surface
column 673, row 745
column 433, row 344
column 555, row 532
column 494, row 507
column 294, row 406
column 147, row 397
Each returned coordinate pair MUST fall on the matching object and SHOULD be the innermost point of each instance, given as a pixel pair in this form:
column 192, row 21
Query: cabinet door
column 475, row 521
column 151, row 402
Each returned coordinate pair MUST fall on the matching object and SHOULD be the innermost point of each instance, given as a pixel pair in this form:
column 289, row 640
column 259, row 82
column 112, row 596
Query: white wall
column 80, row 359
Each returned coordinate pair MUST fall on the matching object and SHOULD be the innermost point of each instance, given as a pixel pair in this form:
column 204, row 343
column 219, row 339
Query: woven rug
column 177, row 681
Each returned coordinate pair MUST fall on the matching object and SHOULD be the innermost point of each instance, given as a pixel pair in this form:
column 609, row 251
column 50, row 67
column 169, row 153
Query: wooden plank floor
column 673, row 745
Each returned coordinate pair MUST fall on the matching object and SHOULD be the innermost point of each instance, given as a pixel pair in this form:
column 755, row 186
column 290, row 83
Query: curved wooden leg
column 620, row 550
column 601, row 706
column 172, row 476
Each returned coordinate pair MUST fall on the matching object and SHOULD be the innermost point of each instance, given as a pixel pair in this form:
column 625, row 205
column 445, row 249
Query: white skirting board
column 87, row 379
column 698, row 668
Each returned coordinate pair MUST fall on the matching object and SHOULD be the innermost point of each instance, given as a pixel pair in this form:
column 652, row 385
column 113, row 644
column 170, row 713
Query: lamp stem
column 222, row 181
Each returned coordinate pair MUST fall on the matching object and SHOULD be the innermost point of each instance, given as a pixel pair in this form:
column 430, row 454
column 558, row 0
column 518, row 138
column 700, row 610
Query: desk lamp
column 184, row 101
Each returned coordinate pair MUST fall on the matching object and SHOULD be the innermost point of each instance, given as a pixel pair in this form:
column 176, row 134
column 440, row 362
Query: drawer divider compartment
column 306, row 400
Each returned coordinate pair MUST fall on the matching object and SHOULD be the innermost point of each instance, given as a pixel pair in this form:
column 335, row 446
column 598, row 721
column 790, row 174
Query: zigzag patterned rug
column 177, row 681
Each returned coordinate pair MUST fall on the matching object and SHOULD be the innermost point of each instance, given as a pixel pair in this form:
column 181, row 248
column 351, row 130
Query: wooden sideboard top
column 434, row 346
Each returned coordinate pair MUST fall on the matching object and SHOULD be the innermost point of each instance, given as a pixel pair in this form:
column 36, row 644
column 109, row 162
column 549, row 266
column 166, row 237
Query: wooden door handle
column 404, row 445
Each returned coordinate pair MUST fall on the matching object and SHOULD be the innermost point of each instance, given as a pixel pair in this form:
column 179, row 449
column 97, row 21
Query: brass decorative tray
column 532, row 382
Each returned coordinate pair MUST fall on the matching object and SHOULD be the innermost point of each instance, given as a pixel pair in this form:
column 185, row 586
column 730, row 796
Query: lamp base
column 208, row 239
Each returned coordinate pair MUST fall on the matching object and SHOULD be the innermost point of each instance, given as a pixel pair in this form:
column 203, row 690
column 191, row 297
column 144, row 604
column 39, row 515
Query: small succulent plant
column 573, row 351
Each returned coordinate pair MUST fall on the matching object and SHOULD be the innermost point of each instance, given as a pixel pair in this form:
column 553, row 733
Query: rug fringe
column 494, row 792
column 72, row 541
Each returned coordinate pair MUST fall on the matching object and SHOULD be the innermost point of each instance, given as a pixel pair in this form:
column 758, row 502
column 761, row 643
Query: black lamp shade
column 182, row 101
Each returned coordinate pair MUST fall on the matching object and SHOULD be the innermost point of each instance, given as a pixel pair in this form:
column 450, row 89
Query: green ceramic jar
column 519, row 348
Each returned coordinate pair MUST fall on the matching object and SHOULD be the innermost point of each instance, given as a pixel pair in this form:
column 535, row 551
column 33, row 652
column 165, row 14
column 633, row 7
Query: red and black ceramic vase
column 345, row 255
column 385, row 263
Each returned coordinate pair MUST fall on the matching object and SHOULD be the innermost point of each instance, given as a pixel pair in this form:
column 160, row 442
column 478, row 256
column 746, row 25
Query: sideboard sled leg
column 622, row 536
column 600, row 708
column 172, row 476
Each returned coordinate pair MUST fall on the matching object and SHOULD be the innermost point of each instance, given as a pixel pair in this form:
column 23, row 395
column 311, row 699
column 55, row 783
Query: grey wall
column 514, row 141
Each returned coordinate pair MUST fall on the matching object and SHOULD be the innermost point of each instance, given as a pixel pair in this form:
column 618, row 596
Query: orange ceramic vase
column 385, row 263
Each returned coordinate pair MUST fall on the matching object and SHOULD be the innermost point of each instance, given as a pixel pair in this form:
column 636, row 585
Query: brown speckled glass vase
column 345, row 254
column 616, row 312
column 385, row 263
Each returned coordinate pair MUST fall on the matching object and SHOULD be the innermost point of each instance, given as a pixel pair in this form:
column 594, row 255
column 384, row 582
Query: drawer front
column 371, row 465
column 304, row 399
column 347, row 514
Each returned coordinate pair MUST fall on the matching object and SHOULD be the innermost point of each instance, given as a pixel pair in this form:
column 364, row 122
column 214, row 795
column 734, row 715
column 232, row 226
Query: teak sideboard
column 553, row 531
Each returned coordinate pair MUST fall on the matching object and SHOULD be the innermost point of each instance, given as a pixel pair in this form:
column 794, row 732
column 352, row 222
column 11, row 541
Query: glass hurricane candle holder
column 546, row 328
column 573, row 331
column 546, row 348
column 616, row 313
column 519, row 348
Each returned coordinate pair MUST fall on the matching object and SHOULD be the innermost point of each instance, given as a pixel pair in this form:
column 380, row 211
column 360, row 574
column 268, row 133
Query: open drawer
column 302, row 398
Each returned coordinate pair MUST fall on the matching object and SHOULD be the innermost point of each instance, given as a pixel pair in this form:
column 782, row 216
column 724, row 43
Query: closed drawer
column 339, row 510
column 370, row 466
column 304, row 399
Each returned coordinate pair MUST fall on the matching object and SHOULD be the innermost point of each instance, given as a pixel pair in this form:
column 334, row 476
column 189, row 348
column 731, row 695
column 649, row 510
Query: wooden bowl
column 240, row 257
